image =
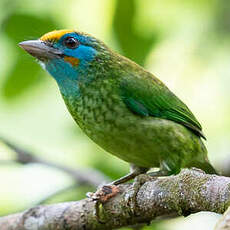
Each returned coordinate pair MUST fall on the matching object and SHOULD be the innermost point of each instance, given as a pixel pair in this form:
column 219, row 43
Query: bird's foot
column 198, row 170
column 131, row 196
column 135, row 171
column 137, row 184
column 159, row 173
column 142, row 178
column 105, row 192
column 125, row 178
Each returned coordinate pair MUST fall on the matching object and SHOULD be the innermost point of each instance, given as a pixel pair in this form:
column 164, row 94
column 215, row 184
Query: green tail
column 208, row 168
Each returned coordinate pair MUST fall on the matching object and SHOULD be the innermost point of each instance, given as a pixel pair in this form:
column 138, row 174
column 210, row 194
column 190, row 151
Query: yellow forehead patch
column 55, row 35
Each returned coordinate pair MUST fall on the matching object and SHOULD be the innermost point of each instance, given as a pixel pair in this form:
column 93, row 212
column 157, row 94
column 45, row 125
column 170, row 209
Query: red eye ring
column 71, row 42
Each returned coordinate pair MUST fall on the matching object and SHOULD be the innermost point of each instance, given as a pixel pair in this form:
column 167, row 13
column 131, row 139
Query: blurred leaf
column 222, row 20
column 134, row 45
column 23, row 75
column 19, row 27
column 110, row 167
column 72, row 194
column 25, row 71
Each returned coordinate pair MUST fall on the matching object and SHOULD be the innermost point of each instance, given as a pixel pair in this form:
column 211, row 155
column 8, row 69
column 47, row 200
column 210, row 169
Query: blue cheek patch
column 83, row 53
column 68, row 70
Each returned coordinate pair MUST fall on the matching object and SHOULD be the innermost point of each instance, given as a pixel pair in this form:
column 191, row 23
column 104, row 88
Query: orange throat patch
column 72, row 60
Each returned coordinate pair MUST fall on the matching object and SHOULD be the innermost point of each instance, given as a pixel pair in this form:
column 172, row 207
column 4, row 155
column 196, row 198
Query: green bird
column 122, row 107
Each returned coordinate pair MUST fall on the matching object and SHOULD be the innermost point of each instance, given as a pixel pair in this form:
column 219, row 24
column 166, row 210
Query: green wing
column 148, row 96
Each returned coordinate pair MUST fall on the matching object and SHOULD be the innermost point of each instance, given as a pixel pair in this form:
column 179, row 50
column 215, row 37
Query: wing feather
column 148, row 96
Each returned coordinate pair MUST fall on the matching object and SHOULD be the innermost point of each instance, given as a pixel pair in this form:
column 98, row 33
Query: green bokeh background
column 185, row 43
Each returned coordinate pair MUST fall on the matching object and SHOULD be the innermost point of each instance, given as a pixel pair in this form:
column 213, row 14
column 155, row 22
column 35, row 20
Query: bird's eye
column 71, row 42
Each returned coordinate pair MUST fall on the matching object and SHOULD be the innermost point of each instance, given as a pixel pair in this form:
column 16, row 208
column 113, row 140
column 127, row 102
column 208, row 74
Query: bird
column 122, row 107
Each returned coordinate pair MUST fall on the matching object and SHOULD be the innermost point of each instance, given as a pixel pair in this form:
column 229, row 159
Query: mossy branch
column 188, row 192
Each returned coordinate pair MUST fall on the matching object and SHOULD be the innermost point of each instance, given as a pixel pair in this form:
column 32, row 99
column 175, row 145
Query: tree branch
column 188, row 192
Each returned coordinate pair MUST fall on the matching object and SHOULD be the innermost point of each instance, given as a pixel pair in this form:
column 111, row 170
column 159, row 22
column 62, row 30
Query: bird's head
column 66, row 54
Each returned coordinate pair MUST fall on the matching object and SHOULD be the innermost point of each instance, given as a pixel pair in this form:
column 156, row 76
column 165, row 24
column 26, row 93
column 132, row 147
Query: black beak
column 40, row 50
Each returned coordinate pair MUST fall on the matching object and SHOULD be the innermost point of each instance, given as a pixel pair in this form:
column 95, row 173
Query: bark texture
column 141, row 202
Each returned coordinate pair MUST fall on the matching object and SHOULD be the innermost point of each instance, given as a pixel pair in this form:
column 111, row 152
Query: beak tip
column 22, row 44
column 39, row 50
